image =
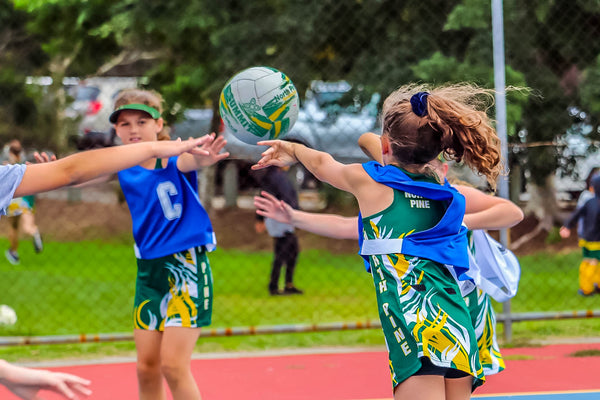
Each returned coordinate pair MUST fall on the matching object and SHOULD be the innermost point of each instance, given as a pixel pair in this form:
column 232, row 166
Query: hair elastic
column 418, row 101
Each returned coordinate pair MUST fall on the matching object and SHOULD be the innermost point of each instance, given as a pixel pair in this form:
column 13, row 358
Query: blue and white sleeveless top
column 446, row 242
column 166, row 212
column 10, row 178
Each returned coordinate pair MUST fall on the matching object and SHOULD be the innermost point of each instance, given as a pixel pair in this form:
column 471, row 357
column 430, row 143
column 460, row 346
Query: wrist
column 294, row 151
column 295, row 218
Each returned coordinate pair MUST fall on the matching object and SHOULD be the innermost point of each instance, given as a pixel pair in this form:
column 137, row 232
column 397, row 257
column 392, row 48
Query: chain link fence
column 344, row 57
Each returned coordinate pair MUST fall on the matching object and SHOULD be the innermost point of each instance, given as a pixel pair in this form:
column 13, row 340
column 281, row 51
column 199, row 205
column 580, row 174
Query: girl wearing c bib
column 173, row 235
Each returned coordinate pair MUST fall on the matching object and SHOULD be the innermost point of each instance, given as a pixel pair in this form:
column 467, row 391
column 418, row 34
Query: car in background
column 195, row 123
column 93, row 101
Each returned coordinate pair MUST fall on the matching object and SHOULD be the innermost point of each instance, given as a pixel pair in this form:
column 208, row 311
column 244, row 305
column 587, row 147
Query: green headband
column 153, row 112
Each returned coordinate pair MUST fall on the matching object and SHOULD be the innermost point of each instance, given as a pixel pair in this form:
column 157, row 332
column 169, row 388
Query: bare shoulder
column 372, row 196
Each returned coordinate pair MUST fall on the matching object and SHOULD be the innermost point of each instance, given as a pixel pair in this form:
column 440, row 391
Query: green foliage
column 590, row 89
column 190, row 48
column 474, row 14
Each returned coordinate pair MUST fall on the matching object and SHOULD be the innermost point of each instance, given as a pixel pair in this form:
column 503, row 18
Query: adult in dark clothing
column 285, row 241
column 589, row 240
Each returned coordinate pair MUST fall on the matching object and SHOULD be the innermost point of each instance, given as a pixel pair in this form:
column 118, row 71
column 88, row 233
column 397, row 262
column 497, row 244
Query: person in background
column 585, row 195
column 21, row 212
column 588, row 216
column 285, row 242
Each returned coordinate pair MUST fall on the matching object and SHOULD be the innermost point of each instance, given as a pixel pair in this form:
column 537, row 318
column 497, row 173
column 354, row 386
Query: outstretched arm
column 87, row 165
column 330, row 225
column 484, row 211
column 188, row 162
column 347, row 177
column 27, row 382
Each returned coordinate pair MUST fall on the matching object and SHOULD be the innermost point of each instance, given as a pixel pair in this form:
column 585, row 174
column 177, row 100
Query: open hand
column 269, row 206
column 27, row 382
column 280, row 153
column 213, row 149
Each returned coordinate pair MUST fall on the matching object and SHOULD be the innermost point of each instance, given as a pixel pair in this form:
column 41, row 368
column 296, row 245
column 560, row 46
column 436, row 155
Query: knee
column 148, row 370
column 173, row 370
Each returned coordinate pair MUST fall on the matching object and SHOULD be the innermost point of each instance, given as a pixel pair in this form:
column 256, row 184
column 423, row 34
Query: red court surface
column 345, row 374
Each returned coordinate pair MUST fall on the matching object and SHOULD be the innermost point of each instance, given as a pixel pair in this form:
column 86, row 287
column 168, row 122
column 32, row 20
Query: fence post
column 230, row 184
column 500, row 85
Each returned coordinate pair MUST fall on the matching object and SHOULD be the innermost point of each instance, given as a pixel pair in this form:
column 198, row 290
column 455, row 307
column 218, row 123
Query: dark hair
column 593, row 172
column 452, row 124
column 14, row 147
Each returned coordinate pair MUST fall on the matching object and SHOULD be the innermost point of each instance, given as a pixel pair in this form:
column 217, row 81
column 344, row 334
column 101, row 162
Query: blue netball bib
column 445, row 243
column 165, row 210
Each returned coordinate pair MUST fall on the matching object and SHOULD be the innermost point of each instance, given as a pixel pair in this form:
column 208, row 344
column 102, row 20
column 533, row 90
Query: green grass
column 88, row 287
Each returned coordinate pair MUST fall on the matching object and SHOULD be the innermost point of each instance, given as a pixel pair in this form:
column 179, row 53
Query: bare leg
column 31, row 229
column 459, row 389
column 425, row 387
column 13, row 232
column 150, row 379
column 176, row 355
column 28, row 225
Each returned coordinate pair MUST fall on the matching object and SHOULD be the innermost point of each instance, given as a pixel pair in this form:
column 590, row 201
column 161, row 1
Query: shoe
column 275, row 292
column 292, row 290
column 38, row 245
column 12, row 257
column 582, row 293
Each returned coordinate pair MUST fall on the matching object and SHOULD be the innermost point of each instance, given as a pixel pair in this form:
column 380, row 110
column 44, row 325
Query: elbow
column 519, row 215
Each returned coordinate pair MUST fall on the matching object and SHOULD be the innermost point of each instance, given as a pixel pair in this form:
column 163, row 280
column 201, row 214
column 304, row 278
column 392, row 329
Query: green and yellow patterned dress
column 422, row 311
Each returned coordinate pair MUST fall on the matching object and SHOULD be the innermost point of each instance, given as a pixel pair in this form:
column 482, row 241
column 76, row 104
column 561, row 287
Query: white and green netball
column 259, row 103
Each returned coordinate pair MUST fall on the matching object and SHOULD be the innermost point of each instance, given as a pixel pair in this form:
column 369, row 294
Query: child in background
column 285, row 242
column 588, row 216
column 173, row 235
column 20, row 212
column 25, row 180
column 585, row 195
column 413, row 231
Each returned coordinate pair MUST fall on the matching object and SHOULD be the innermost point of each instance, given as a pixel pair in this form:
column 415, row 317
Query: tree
column 20, row 54
column 65, row 31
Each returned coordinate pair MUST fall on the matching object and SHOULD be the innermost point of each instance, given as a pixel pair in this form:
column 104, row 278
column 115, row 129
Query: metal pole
column 500, row 85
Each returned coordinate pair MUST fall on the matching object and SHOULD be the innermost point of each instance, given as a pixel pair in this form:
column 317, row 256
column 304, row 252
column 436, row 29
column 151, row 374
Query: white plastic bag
column 493, row 268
